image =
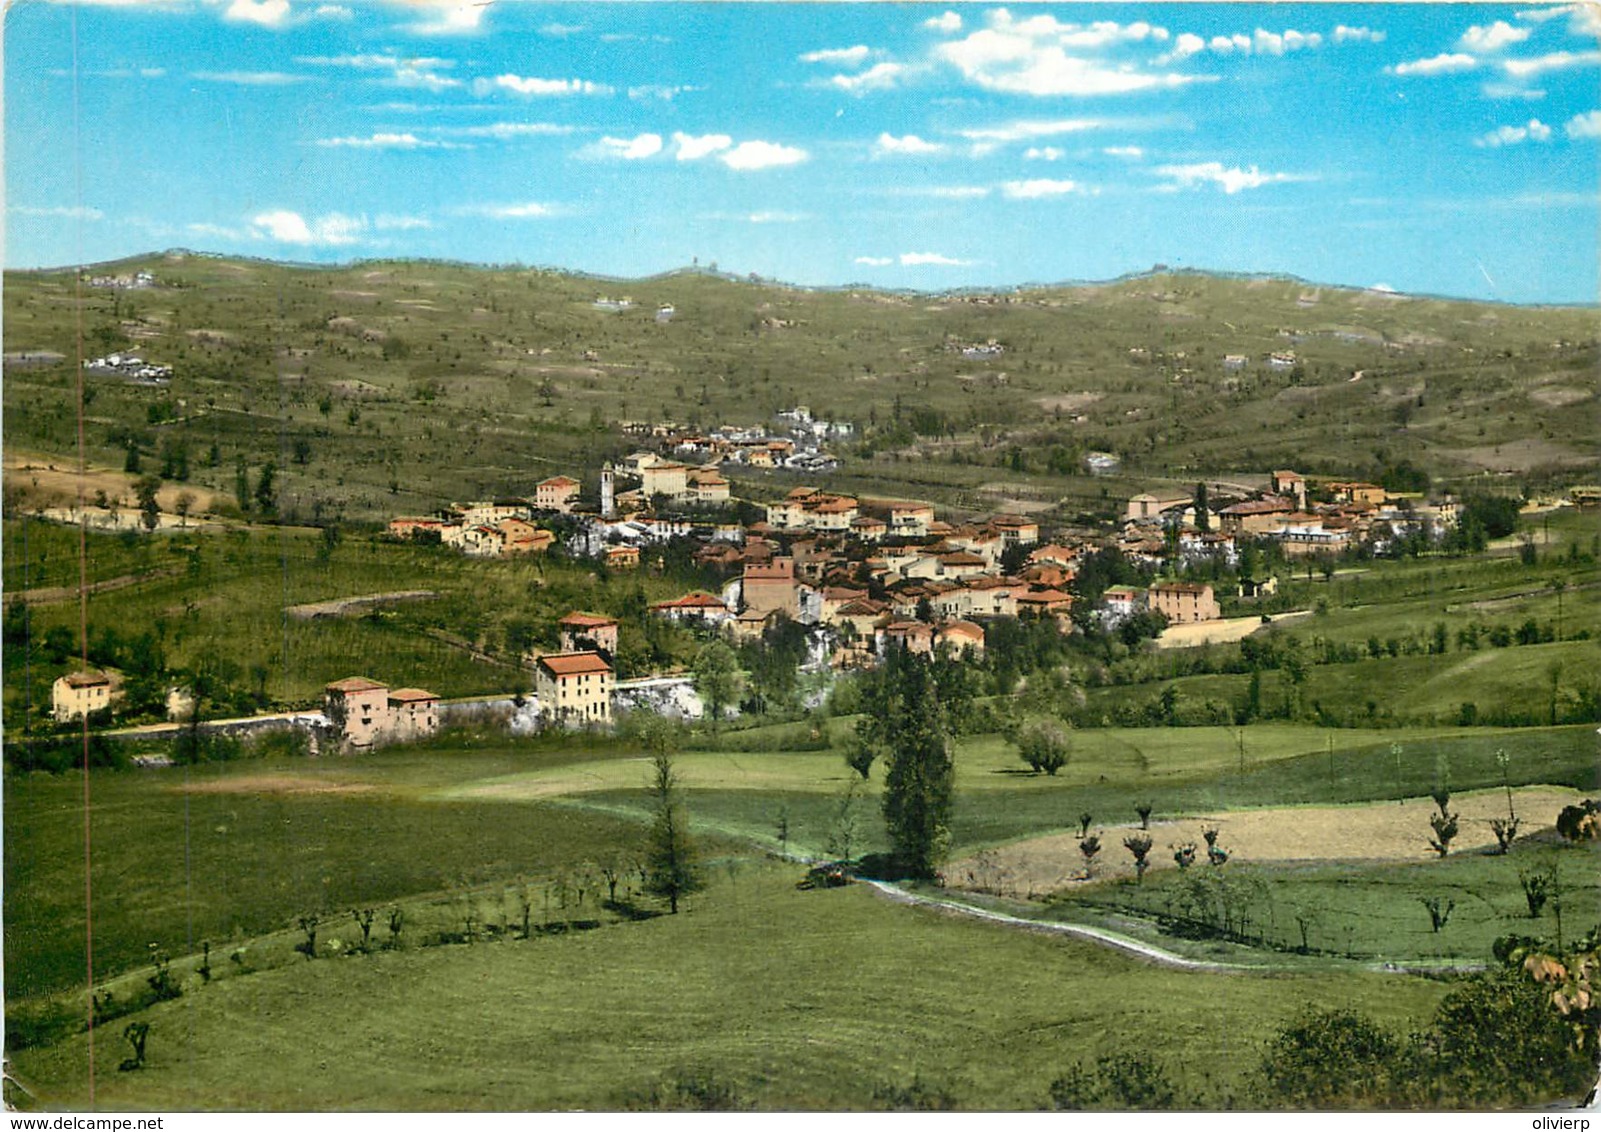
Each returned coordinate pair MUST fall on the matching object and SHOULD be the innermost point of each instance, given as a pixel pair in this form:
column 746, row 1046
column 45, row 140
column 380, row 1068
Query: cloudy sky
column 1442, row 148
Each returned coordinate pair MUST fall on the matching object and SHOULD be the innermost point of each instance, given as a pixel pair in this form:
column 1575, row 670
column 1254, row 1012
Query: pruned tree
column 1139, row 844
column 1537, row 889
column 1215, row 853
column 1443, row 823
column 1439, row 912
column 1505, row 829
column 844, row 834
column 1084, row 819
column 135, row 1033
column 364, row 918
column 1144, row 810
column 308, row 946
column 1184, row 855
column 1089, row 847
column 397, row 921
column 670, row 867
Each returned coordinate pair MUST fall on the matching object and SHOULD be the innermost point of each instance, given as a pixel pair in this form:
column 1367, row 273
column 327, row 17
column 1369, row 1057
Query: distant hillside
column 386, row 386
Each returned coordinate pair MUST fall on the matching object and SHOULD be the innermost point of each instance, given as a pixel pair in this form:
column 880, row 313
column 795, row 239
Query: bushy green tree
column 1044, row 745
column 717, row 678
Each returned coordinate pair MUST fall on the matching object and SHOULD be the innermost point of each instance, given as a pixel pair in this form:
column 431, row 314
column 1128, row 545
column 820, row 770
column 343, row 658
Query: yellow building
column 79, row 694
column 574, row 688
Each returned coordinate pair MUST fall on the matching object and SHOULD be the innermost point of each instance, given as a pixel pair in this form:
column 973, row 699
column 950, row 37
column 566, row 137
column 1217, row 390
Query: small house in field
column 358, row 708
column 574, row 688
column 582, row 632
column 79, row 694
column 413, row 714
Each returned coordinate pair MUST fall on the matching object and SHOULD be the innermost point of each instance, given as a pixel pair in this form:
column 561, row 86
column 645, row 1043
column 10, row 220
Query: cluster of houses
column 138, row 281
column 495, row 528
column 1345, row 515
column 128, row 366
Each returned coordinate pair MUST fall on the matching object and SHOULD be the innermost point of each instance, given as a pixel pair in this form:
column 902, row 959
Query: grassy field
column 791, row 999
column 1369, row 910
column 244, row 847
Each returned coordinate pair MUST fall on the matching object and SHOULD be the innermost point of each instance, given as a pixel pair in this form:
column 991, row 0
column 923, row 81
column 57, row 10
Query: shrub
column 1044, row 746
column 689, row 1091
column 1332, row 1059
column 1130, row 1081
column 1581, row 822
column 919, row 1096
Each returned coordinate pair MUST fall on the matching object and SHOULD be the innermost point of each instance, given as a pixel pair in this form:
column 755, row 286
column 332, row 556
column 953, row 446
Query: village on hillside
column 860, row 575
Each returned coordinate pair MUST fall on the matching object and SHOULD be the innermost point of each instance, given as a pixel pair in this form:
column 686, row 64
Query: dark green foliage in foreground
column 1120, row 1081
column 1496, row 1042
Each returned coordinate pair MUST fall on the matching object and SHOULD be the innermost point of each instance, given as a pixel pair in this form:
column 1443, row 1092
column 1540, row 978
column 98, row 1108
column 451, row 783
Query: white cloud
column 630, row 149
column 448, row 17
column 378, row 141
column 393, row 223
column 1493, row 37
column 948, row 22
column 561, row 31
column 1556, row 61
column 538, row 87
column 880, row 76
column 1230, row 180
column 505, row 131
column 533, row 210
column 1133, row 152
column 217, row 231
column 1183, row 47
column 1586, row 125
column 59, row 212
column 1443, row 64
column 1536, row 130
column 1043, row 153
column 332, row 12
column 1031, row 56
column 873, row 260
column 773, row 217
column 415, row 77
column 931, row 259
column 1028, row 129
column 691, row 148
column 1541, row 15
column 1511, row 90
column 1037, row 189
column 911, row 145
column 762, row 155
column 1343, row 34
column 249, row 78
column 665, row 93
column 1265, row 42
column 285, row 227
column 954, row 192
column 265, row 13
column 839, row 56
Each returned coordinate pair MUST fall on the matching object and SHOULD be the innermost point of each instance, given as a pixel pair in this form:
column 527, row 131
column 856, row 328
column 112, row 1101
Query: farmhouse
column 1183, row 603
column 573, row 688
column 79, row 694
column 581, row 632
column 559, row 493
column 1291, row 485
column 413, row 714
column 961, row 637
column 365, row 712
column 622, row 557
column 697, row 606
column 1148, row 505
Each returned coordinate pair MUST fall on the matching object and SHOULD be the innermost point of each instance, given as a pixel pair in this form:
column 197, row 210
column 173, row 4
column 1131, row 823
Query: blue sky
column 1440, row 148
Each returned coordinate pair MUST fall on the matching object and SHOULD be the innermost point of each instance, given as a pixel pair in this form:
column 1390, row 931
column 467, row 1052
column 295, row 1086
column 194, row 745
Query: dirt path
column 1094, row 935
column 1217, row 632
column 47, row 595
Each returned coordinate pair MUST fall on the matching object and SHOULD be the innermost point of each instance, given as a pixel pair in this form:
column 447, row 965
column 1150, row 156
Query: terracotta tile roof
column 356, row 684
column 87, row 679
column 411, row 696
column 574, row 663
column 587, row 620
